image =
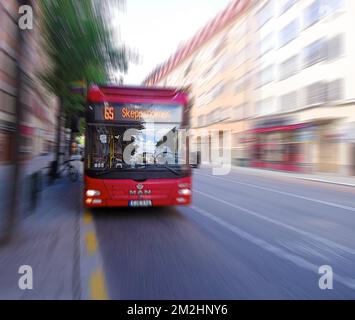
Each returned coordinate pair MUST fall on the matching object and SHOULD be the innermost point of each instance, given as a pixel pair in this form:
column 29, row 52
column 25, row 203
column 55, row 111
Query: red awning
column 26, row 131
column 290, row 127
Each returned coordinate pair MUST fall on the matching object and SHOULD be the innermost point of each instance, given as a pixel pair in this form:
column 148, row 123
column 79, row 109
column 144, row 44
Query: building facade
column 277, row 75
column 39, row 107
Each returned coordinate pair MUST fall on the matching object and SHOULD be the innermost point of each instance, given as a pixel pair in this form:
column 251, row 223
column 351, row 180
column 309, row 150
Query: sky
column 155, row 28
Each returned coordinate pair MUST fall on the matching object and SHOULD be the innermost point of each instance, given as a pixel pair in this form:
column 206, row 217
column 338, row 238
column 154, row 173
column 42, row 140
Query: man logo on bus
column 139, row 186
column 109, row 113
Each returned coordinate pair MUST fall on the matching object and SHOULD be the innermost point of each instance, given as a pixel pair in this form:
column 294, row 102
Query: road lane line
column 281, row 253
column 325, row 241
column 97, row 286
column 87, row 218
column 91, row 242
column 336, row 205
column 92, row 275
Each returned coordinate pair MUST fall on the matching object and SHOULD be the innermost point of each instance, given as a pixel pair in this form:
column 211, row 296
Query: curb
column 92, row 278
column 327, row 181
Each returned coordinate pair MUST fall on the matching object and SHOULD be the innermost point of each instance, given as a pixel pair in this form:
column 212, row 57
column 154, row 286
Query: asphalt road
column 246, row 236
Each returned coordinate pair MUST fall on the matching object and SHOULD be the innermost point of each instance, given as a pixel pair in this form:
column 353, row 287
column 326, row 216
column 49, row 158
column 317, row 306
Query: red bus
column 131, row 140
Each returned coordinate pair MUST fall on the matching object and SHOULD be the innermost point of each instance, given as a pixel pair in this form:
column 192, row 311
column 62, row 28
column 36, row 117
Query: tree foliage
column 79, row 46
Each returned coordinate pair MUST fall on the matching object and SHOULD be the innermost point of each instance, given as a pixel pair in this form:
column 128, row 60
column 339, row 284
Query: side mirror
column 82, row 159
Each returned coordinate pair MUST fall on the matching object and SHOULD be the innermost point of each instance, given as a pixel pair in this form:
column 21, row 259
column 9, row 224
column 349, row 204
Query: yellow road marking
column 91, row 242
column 87, row 218
column 97, row 286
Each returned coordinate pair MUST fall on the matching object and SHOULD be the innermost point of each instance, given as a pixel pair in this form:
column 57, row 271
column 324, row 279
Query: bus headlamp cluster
column 93, row 193
column 93, row 201
column 185, row 192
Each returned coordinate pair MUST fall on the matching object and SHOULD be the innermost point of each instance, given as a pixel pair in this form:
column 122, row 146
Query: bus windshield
column 120, row 146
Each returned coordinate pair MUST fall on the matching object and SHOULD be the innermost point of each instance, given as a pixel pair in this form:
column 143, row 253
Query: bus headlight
column 185, row 192
column 93, row 193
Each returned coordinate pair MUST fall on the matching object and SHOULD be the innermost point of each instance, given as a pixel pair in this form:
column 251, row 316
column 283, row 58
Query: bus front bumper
column 129, row 193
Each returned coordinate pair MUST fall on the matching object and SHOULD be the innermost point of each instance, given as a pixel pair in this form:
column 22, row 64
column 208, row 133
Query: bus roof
column 132, row 94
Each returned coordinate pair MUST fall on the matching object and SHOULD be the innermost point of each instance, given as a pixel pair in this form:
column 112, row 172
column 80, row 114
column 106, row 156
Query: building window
column 241, row 30
column 315, row 53
column 188, row 69
column 201, row 121
column 204, row 99
column 238, row 112
column 335, row 47
column 241, row 56
column 331, row 6
column 239, row 87
column 267, row 44
column 287, row 4
column 8, row 65
column 289, row 68
column 213, row 116
column 9, row 25
column 265, row 14
column 216, row 69
column 7, row 102
column 244, row 82
column 289, row 32
column 225, row 113
column 265, row 106
column 228, row 62
column 248, row 78
column 316, row 93
column 221, row 45
column 313, row 13
column 265, row 76
column 218, row 90
column 335, row 90
column 289, row 101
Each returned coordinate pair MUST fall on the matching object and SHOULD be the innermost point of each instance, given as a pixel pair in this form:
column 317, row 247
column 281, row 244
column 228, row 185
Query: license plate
column 140, row 203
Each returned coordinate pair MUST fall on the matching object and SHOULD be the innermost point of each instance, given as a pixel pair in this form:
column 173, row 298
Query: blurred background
column 277, row 74
column 50, row 52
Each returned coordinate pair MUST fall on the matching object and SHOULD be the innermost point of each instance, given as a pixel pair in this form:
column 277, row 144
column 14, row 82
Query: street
column 246, row 236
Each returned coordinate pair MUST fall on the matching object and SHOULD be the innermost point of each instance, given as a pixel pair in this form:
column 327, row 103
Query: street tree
column 80, row 46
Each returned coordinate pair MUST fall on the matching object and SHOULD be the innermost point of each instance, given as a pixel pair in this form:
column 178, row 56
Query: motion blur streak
column 239, row 179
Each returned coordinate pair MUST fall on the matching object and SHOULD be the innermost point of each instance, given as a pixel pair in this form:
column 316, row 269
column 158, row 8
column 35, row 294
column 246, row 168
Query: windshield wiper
column 168, row 168
column 99, row 173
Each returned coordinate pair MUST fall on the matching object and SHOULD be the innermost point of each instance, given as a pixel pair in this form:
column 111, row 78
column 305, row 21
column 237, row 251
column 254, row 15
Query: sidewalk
column 329, row 178
column 48, row 241
column 317, row 177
